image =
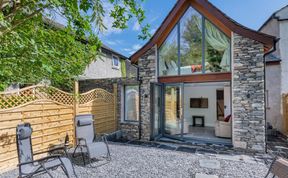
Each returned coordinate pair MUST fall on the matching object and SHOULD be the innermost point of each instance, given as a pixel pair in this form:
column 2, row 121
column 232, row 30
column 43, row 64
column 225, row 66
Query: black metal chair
column 87, row 141
column 28, row 167
column 279, row 165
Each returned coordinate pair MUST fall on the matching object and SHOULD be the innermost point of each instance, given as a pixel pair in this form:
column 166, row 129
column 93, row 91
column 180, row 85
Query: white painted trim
column 119, row 62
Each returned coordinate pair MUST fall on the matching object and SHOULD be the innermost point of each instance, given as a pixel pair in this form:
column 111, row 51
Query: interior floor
column 206, row 134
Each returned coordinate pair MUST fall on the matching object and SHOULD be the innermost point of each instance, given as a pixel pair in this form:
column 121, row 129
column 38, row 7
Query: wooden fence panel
column 101, row 104
column 49, row 128
column 51, row 113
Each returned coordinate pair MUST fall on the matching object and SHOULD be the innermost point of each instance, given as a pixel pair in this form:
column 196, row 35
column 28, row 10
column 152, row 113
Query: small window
column 115, row 62
column 131, row 105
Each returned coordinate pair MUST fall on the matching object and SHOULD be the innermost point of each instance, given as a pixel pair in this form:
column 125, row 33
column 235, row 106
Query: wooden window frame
column 178, row 27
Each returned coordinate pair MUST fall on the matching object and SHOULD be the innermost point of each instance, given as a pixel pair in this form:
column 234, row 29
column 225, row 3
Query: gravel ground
column 133, row 161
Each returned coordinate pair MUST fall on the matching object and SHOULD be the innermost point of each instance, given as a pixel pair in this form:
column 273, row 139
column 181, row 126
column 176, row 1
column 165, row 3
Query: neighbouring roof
column 104, row 47
column 272, row 58
column 210, row 12
column 281, row 14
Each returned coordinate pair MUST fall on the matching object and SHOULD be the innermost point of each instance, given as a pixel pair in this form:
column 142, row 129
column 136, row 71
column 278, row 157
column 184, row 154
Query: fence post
column 75, row 107
column 115, row 91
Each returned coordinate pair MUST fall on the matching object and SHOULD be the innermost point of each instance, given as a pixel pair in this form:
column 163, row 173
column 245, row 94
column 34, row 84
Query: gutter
column 265, row 95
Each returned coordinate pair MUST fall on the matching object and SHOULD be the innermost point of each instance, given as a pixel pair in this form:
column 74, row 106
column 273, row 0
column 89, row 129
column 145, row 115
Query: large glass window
column 168, row 55
column 195, row 46
column 217, row 49
column 131, row 104
column 191, row 42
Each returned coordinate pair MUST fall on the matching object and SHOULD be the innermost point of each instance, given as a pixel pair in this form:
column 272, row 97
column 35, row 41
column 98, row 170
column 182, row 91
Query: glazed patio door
column 156, row 110
column 173, row 110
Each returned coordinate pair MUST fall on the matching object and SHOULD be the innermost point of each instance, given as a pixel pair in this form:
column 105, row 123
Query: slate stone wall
column 147, row 74
column 248, row 94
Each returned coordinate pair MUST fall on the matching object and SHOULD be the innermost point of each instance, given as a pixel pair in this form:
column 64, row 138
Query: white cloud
column 133, row 49
column 131, row 52
column 154, row 19
column 136, row 26
column 108, row 21
column 111, row 42
column 153, row 30
column 136, row 46
column 127, row 49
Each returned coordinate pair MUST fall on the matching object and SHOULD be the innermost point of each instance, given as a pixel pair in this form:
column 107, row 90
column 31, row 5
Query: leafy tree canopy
column 31, row 50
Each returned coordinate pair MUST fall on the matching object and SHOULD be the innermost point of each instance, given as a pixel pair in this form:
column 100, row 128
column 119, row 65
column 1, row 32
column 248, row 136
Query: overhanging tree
column 31, row 51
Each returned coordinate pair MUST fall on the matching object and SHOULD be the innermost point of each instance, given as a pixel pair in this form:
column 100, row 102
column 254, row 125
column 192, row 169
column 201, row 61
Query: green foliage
column 123, row 68
column 37, row 52
column 191, row 42
column 31, row 51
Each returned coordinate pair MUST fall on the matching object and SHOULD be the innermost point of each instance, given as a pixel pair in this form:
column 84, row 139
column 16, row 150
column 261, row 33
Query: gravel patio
column 135, row 161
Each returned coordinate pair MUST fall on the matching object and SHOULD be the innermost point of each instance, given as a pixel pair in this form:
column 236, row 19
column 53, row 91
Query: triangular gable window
column 194, row 46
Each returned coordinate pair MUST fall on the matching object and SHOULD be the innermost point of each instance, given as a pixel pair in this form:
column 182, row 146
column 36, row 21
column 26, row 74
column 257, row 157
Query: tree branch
column 22, row 21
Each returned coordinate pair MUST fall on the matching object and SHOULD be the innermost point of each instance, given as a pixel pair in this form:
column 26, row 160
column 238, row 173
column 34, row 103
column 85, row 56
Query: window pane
column 115, row 61
column 217, row 52
column 132, row 103
column 191, row 42
column 168, row 55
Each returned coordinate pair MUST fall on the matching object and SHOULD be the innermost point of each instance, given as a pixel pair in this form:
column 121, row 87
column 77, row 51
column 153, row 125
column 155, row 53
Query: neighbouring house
column 109, row 64
column 277, row 68
column 201, row 79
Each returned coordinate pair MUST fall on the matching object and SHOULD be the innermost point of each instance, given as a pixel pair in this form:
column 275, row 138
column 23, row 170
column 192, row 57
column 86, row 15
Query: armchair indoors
column 224, row 128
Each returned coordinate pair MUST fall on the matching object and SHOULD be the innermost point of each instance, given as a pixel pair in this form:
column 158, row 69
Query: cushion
column 24, row 132
column 85, row 121
column 227, row 118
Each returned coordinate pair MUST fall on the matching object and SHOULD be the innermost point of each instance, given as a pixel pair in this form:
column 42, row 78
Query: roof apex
column 205, row 6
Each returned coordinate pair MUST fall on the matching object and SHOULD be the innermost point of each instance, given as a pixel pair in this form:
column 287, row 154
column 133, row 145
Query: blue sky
column 250, row 13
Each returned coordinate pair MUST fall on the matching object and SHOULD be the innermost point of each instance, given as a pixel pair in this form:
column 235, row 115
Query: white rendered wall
column 283, row 46
column 273, row 104
column 198, row 91
column 101, row 69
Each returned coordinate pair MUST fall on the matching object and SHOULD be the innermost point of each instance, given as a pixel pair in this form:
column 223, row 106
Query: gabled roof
column 275, row 15
column 225, row 23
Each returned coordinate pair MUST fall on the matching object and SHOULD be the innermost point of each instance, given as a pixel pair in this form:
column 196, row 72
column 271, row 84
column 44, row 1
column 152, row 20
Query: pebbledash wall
column 248, row 104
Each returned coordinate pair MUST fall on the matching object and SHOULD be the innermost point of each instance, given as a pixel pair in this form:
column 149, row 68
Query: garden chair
column 279, row 166
column 87, row 141
column 29, row 167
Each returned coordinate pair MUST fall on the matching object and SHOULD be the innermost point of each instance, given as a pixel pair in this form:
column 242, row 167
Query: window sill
column 129, row 123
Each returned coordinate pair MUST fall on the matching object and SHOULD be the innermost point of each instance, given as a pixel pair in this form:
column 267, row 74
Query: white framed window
column 131, row 103
column 115, row 62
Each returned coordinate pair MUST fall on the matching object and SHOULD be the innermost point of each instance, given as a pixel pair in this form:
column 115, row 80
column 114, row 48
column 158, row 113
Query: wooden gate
column 51, row 113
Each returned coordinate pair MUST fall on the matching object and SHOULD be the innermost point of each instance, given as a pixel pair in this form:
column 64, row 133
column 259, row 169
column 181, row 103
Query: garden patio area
column 140, row 161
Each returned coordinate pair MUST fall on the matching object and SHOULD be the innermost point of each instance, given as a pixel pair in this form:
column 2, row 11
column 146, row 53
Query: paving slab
column 208, row 163
column 198, row 175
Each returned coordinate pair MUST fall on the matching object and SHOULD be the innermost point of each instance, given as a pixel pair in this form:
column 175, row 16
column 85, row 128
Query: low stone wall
column 130, row 131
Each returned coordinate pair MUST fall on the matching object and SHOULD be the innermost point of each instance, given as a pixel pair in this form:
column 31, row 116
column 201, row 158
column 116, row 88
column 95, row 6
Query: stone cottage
column 201, row 78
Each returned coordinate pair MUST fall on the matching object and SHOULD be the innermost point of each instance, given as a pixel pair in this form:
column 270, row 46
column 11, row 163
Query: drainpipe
column 265, row 112
column 140, row 118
